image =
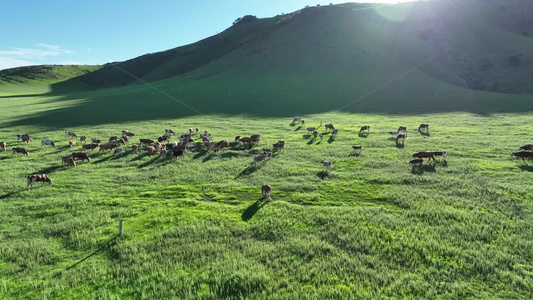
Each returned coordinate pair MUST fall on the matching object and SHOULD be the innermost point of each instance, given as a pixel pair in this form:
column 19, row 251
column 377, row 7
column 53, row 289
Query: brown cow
column 3, row 146
column 107, row 147
column 425, row 154
column 265, row 189
column 151, row 150
column 127, row 133
column 163, row 152
column 259, row 158
column 135, row 148
column 256, row 138
column 96, row 141
column 222, row 144
column 315, row 133
column 125, row 138
column 113, row 138
column 70, row 162
column 26, row 138
column 80, row 155
column 42, row 178
column 89, row 146
column 335, row 132
column 146, row 141
column 279, row 145
column 122, row 141
column 20, row 150
column 179, row 153
column 329, row 126
column 72, row 144
column 64, row 159
column 83, row 139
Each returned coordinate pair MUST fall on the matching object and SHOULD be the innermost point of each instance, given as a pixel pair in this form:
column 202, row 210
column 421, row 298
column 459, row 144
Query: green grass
column 197, row 227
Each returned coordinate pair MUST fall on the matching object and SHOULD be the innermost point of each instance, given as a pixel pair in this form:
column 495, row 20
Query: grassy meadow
column 198, row 228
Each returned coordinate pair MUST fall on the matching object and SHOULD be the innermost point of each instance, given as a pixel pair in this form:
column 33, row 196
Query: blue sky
column 100, row 31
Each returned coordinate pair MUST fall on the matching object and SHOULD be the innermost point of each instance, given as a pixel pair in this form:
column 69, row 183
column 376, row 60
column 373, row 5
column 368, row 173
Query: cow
column 311, row 129
column 364, row 128
column 258, row 158
column 523, row 155
column 279, row 145
column 48, row 142
column 360, row 148
column 315, row 134
column 127, row 133
column 26, row 138
column 163, row 138
column 296, row 119
column 265, row 189
column 19, row 150
column 80, row 155
column 64, row 159
column 423, row 126
column 256, row 138
column 89, row 146
column 526, row 147
column 217, row 151
column 118, row 151
column 237, row 138
column 3, row 146
column 169, row 131
column 303, row 122
column 70, row 162
column 223, row 144
column 402, row 129
column 425, row 154
column 329, row 126
column 72, row 144
column 245, row 140
column 400, row 136
column 70, row 133
column 151, row 149
column 163, row 152
column 335, row 132
column 42, row 178
column 122, row 141
column 416, row 162
column 113, row 138
column 180, row 152
column 439, row 153
column 83, row 139
column 107, row 147
column 327, row 164
column 96, row 141
column 19, row 136
column 146, row 141
column 125, row 138
column 135, row 148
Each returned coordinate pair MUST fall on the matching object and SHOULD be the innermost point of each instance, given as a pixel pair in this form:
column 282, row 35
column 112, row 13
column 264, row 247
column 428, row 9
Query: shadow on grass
column 229, row 154
column 424, row 133
column 417, row 169
column 200, row 154
column 103, row 159
column 355, row 153
column 522, row 167
column 331, row 139
column 49, row 170
column 306, row 136
column 363, row 135
column 253, row 209
column 140, row 156
column 208, row 158
column 146, row 164
column 323, row 174
column 249, row 170
column 298, row 128
column 400, row 145
column 109, row 243
column 5, row 196
column 311, row 141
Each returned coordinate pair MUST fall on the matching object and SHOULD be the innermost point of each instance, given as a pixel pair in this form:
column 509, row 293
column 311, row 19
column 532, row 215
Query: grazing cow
column 279, row 145
column 245, row 140
column 327, row 164
column 19, row 136
column 256, row 138
column 425, row 154
column 196, row 130
column 416, row 161
column 237, row 138
column 96, row 141
column 125, row 138
column 127, row 133
column 151, row 150
column 439, row 153
column 3, row 146
column 72, row 144
column 191, row 131
column 163, row 152
column 265, row 189
column 42, row 178
column 169, row 131
column 19, row 150
column 523, row 155
column 146, row 141
column 223, row 144
column 311, row 129
column 113, row 138
column 122, row 141
column 70, row 162
column 107, row 147
column 26, row 138
column 400, row 136
column 258, row 158
column 217, row 151
column 266, row 150
column 329, row 126
column 135, row 148
column 165, row 137
column 296, row 119
column 335, row 132
column 315, row 134
column 393, row 133
column 80, row 155
column 402, row 129
column 526, row 147
column 89, row 146
column 83, row 139
column 118, row 151
column 48, row 142
column 70, row 133
column 360, row 148
column 423, row 126
column 180, row 152
column 364, row 128
column 64, row 159
column 303, row 122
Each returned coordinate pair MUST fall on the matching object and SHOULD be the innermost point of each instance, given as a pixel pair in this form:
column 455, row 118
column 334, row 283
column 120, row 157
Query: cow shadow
column 331, row 139
column 417, row 169
column 522, row 167
column 400, row 145
column 49, row 170
column 146, row 164
column 424, row 133
column 429, row 167
column 363, row 134
column 229, row 154
column 208, row 158
column 10, row 194
column 323, row 174
column 253, row 209
column 311, row 141
column 442, row 163
column 298, row 128
column 248, row 171
column 200, row 154
column 140, row 156
column 306, row 136
column 355, row 153
column 103, row 160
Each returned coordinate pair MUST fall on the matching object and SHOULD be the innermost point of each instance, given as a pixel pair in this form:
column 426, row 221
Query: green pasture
column 198, row 228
